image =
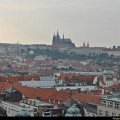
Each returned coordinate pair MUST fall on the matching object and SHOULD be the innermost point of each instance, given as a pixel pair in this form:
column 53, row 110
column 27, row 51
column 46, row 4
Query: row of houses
column 63, row 80
column 12, row 95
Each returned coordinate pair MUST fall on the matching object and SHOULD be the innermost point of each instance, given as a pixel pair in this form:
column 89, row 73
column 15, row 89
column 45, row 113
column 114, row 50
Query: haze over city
column 35, row 21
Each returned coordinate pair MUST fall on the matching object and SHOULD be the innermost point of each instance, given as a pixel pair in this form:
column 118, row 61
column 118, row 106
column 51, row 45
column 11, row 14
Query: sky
column 35, row 21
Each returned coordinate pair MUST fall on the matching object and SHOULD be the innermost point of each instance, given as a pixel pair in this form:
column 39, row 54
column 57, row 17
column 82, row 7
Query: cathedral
column 62, row 42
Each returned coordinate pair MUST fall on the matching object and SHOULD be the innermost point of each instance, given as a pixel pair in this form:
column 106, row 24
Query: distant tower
column 87, row 44
column 63, row 36
column 58, row 36
column 18, row 49
column 54, row 37
column 84, row 44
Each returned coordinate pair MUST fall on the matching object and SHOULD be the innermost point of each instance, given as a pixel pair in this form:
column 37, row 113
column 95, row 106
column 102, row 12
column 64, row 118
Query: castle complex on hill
column 61, row 44
column 64, row 42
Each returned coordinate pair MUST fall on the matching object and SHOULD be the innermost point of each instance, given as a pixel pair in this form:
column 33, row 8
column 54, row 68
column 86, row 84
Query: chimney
column 79, row 90
column 39, row 98
column 103, row 91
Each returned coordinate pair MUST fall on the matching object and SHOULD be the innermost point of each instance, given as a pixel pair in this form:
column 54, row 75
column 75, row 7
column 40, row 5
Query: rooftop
column 112, row 98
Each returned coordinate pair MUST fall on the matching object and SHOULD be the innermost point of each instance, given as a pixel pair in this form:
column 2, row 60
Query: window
column 35, row 110
column 100, row 112
column 50, row 107
column 106, row 113
column 103, row 102
column 110, row 104
column 9, row 110
column 47, row 114
column 113, row 114
column 28, row 102
column 25, row 101
column 32, row 103
column 116, row 105
column 50, row 100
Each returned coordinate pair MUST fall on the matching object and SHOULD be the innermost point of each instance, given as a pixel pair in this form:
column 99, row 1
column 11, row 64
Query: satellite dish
column 31, row 52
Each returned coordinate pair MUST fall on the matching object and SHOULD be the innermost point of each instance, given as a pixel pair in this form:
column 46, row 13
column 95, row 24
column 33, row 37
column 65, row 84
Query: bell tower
column 87, row 44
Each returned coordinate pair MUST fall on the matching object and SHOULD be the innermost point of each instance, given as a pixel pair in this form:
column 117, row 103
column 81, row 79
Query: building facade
column 110, row 106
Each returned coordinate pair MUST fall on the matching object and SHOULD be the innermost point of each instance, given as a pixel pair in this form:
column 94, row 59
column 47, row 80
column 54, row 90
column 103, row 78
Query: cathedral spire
column 57, row 33
column 58, row 36
column 63, row 36
column 84, row 44
column 54, row 37
column 88, row 44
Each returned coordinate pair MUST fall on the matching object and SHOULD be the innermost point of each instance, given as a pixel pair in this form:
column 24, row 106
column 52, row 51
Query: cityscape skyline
column 34, row 22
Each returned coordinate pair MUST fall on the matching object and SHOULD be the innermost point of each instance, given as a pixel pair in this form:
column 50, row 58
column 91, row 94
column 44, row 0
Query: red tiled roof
column 18, row 78
column 33, row 93
column 66, row 76
column 29, row 92
column 60, row 96
column 82, row 78
column 87, row 77
column 109, row 79
column 3, row 79
column 4, row 86
column 95, row 92
column 115, row 86
column 86, row 98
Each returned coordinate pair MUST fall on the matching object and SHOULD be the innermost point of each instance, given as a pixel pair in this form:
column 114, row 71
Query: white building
column 86, row 73
column 82, row 88
column 39, row 84
column 44, row 82
column 109, row 81
column 12, row 108
column 110, row 106
column 87, row 50
column 38, row 106
column 115, row 53
column 40, row 57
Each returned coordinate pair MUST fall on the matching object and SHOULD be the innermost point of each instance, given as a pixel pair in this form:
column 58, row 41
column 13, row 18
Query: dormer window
column 58, row 102
column 37, row 103
column 25, row 101
column 50, row 99
column 28, row 102
column 33, row 103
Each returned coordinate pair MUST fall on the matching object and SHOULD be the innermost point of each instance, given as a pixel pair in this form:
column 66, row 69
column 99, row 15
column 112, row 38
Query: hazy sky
column 35, row 21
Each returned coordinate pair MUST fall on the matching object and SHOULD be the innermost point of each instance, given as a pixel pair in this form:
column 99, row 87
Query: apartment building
column 41, row 108
column 13, row 108
column 109, row 106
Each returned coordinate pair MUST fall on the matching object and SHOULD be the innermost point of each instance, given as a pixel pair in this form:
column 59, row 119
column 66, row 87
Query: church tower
column 87, row 44
column 58, row 36
column 63, row 36
column 54, row 38
column 84, row 44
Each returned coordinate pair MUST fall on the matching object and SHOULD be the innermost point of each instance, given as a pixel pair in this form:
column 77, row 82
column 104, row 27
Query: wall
column 110, row 110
